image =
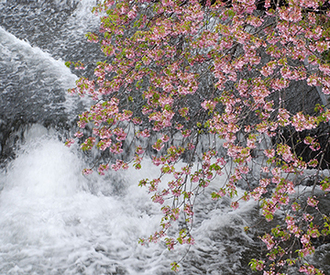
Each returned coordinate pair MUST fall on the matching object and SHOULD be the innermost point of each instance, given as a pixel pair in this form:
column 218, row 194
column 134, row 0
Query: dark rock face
column 296, row 141
column 301, row 97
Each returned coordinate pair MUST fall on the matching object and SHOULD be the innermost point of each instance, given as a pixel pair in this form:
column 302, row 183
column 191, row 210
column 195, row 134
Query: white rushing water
column 52, row 223
column 36, row 69
column 53, row 220
column 14, row 49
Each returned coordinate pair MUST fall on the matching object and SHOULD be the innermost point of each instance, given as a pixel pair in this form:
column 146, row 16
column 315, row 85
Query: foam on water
column 53, row 221
column 50, row 223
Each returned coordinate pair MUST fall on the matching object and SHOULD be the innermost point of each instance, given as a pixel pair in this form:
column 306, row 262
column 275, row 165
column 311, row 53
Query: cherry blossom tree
column 178, row 71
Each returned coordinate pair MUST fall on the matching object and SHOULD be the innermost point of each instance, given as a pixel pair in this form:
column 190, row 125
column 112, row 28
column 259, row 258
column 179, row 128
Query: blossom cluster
column 177, row 71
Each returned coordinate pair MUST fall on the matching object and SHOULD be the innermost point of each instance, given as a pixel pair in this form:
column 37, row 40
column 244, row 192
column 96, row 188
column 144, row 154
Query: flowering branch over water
column 177, row 71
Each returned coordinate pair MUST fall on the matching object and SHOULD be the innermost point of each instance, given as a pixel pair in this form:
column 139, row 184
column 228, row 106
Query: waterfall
column 54, row 220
